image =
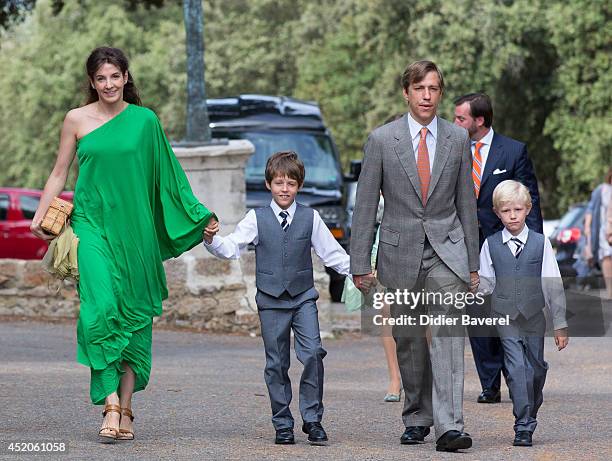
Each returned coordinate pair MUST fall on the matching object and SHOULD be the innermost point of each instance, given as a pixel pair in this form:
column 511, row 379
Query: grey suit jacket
column 449, row 219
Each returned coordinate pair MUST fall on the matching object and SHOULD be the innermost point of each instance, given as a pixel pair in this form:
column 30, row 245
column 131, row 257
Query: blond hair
column 509, row 191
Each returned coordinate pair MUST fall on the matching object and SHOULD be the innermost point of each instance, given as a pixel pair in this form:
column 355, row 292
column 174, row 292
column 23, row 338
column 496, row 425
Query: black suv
column 273, row 124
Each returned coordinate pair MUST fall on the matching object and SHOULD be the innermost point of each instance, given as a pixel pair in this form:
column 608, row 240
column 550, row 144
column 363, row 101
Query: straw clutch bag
column 58, row 213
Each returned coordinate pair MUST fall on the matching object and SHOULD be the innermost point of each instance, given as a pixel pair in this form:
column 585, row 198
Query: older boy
column 519, row 267
column 283, row 234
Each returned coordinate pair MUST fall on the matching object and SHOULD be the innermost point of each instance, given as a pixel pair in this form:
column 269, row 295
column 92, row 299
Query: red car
column 17, row 208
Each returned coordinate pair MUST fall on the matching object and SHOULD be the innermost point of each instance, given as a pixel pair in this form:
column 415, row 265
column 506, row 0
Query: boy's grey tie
column 284, row 224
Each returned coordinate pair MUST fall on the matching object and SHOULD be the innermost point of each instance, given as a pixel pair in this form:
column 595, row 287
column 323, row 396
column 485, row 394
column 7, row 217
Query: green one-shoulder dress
column 133, row 208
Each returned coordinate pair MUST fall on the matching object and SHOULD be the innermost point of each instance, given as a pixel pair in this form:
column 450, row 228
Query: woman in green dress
column 133, row 208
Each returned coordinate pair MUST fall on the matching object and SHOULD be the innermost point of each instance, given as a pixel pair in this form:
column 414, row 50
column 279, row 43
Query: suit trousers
column 432, row 374
column 486, row 348
column 523, row 343
column 276, row 326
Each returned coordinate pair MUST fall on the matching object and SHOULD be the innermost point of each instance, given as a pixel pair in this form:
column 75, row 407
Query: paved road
column 207, row 400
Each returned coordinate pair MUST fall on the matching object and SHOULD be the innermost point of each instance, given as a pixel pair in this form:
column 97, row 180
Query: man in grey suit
column 422, row 164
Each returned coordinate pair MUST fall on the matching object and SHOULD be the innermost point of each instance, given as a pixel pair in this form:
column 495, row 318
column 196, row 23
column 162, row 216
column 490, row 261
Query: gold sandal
column 113, row 434
column 126, row 434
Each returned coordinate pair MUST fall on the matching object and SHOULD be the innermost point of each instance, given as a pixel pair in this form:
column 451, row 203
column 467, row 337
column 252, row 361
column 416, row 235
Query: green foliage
column 545, row 64
column 580, row 122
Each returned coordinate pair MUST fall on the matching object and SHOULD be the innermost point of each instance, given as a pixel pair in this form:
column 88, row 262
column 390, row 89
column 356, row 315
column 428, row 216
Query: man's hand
column 365, row 282
column 474, row 281
column 211, row 229
column 561, row 338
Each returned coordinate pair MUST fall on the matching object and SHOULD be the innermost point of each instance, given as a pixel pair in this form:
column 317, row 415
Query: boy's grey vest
column 518, row 281
column 283, row 260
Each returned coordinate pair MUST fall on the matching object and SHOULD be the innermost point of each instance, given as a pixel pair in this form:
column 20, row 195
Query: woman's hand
column 39, row 232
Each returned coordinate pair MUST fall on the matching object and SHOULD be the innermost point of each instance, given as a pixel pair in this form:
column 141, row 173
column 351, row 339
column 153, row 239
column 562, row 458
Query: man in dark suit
column 495, row 159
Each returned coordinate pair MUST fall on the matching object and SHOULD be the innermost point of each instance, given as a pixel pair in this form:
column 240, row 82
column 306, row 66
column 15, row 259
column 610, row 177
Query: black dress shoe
column 453, row 441
column 522, row 439
column 316, row 433
column 414, row 434
column 489, row 396
column 284, row 437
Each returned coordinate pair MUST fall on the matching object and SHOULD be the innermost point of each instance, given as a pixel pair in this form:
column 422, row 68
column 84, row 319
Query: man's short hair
column 417, row 71
column 480, row 106
column 285, row 163
column 510, row 191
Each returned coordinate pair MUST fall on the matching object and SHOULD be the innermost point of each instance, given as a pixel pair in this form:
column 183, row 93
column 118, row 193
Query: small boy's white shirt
column 552, row 283
column 323, row 242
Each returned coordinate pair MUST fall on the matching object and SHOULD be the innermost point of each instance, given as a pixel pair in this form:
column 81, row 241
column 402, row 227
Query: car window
column 4, row 205
column 573, row 218
column 28, row 205
column 315, row 151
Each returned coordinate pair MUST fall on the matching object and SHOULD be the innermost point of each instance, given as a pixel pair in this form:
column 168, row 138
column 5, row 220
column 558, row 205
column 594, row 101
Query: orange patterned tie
column 477, row 168
column 423, row 165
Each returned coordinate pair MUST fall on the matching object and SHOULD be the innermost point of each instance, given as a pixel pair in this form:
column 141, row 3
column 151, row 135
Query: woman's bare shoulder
column 78, row 114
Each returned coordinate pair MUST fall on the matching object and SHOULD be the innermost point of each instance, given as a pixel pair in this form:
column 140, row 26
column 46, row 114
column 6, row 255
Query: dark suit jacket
column 510, row 157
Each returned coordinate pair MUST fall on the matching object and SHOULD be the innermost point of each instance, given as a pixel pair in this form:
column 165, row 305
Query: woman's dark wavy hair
column 116, row 57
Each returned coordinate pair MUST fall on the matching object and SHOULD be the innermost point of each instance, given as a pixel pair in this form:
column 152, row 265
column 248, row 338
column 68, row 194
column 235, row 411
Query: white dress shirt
column 323, row 242
column 486, row 141
column 552, row 284
column 430, row 139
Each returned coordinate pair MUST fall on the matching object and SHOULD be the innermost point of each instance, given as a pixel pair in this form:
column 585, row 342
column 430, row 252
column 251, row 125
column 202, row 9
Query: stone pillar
column 216, row 175
column 205, row 292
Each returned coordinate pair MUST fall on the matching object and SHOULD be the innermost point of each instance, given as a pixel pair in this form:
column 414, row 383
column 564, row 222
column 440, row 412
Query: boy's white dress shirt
column 552, row 284
column 323, row 242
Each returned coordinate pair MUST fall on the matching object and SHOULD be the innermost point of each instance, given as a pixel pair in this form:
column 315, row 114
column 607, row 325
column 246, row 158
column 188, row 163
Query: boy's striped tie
column 519, row 246
column 284, row 224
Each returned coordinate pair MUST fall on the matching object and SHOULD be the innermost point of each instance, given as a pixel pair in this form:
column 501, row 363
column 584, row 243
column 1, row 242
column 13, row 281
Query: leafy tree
column 580, row 122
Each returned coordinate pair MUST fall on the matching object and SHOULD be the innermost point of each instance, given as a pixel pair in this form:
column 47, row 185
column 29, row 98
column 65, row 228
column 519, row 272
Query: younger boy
column 519, row 267
column 283, row 234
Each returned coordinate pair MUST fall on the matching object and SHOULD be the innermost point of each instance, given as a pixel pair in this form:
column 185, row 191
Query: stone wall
column 204, row 293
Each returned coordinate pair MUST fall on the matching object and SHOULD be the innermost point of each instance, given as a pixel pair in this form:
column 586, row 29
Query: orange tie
column 423, row 164
column 477, row 168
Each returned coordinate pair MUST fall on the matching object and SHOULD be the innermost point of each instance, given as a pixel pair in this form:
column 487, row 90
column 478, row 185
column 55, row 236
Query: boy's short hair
column 511, row 191
column 285, row 163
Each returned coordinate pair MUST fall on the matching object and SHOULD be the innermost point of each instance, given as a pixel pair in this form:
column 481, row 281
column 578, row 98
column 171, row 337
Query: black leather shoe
column 453, row 441
column 284, row 437
column 414, row 434
column 522, row 439
column 489, row 396
column 316, row 433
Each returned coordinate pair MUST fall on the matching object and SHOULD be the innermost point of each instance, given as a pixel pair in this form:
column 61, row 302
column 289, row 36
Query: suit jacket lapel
column 442, row 151
column 496, row 153
column 405, row 152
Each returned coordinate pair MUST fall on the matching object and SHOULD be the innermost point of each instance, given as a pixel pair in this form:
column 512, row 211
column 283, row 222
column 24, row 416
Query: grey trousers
column 432, row 375
column 276, row 326
column 523, row 343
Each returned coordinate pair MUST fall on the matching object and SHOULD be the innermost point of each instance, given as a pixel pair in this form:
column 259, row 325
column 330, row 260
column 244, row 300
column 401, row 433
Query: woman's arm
column 57, row 179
